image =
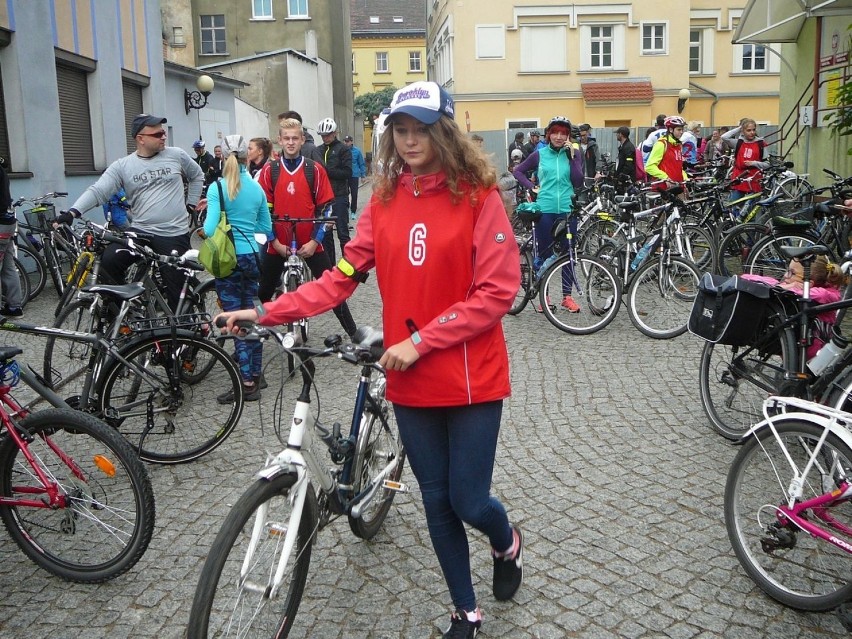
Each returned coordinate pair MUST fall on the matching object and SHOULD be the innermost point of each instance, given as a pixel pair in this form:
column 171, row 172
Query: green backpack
column 217, row 253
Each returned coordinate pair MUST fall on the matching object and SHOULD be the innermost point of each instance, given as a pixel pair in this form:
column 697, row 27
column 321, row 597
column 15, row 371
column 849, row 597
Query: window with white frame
column 381, row 61
column 414, row 61
column 544, row 48
column 353, row 63
column 297, row 8
column 261, row 9
column 754, row 58
column 602, row 47
column 441, row 56
column 490, row 41
column 701, row 51
column 213, row 35
column 654, row 40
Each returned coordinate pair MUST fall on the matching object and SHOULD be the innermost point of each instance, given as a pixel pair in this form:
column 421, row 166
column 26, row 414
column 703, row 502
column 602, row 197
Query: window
column 213, row 35
column 178, row 39
column 544, row 48
column 75, row 120
column 654, row 39
column 297, row 8
column 754, row 58
column 490, row 41
column 381, row 61
column 261, row 9
column 441, row 56
column 701, row 51
column 601, row 47
column 132, row 107
column 374, row 19
column 397, row 19
column 353, row 63
column 414, row 61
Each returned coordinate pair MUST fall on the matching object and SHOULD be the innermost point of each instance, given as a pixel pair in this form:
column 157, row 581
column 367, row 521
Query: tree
column 369, row 105
column 841, row 119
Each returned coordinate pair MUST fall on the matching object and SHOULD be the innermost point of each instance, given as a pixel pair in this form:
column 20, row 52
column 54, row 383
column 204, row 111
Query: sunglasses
column 158, row 134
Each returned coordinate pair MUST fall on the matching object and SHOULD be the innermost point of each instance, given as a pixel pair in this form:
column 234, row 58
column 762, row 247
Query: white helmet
column 326, row 126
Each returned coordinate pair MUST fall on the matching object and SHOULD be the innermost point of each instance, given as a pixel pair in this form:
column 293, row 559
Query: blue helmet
column 198, row 144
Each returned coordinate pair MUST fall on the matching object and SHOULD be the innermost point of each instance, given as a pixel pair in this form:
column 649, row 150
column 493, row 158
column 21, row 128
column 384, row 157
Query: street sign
column 806, row 115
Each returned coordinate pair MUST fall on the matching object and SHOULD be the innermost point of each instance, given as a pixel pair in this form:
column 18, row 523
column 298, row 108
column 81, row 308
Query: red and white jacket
column 447, row 269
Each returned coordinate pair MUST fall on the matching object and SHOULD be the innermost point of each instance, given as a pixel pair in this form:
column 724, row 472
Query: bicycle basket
column 41, row 217
column 729, row 310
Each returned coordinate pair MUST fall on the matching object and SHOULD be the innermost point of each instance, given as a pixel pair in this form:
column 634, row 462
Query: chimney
column 311, row 44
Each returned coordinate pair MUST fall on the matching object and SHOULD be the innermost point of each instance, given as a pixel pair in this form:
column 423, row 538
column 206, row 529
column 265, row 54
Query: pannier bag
column 729, row 310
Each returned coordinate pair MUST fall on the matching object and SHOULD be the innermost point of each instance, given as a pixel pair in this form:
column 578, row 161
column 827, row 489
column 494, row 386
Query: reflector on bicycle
column 105, row 465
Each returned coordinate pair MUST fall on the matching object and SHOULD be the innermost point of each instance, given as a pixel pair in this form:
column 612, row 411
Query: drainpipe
column 712, row 106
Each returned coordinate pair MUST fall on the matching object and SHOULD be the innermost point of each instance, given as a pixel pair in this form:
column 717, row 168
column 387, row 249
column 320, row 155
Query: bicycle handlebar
column 40, row 199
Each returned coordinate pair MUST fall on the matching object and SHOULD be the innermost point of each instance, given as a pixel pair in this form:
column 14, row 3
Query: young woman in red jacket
column 447, row 267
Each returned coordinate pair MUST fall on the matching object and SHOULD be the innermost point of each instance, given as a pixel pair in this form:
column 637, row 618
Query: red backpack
column 641, row 176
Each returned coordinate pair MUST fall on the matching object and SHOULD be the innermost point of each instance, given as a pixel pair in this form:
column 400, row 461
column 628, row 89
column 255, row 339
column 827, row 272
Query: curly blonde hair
column 467, row 168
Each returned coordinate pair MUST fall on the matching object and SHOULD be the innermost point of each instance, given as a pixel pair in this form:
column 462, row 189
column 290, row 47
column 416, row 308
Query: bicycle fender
column 833, row 427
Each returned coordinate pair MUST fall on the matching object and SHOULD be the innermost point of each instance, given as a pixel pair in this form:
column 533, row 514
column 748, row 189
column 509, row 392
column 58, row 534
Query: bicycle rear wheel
column 580, row 295
column 737, row 245
column 168, row 416
column 767, row 259
column 699, row 248
column 33, row 265
column 788, row 564
column 734, row 380
column 64, row 360
column 527, row 276
column 26, row 294
column 378, row 445
column 233, row 600
column 660, row 296
column 108, row 517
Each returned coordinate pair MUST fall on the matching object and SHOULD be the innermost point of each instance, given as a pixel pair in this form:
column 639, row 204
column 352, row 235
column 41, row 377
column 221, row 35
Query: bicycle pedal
column 395, row 486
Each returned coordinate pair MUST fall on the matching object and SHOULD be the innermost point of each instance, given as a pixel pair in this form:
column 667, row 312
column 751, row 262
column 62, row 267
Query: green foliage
column 840, row 120
column 370, row 105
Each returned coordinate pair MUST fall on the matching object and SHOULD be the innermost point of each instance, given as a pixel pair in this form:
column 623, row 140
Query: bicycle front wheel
column 65, row 360
column 107, row 518
column 169, row 417
column 788, row 564
column 737, row 245
column 527, row 276
column 33, row 265
column 26, row 293
column 378, row 445
column 660, row 296
column 579, row 295
column 767, row 259
column 233, row 597
column 734, row 380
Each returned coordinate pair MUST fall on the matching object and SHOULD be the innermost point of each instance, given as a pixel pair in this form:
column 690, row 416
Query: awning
column 782, row 20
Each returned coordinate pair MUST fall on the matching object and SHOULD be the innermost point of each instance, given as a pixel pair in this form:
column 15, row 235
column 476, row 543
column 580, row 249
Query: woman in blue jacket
column 559, row 167
column 244, row 204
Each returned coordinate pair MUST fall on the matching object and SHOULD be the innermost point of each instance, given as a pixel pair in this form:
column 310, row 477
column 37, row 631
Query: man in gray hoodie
column 152, row 178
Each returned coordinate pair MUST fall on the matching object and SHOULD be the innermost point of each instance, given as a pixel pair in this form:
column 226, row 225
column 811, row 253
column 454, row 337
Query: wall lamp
column 682, row 96
column 198, row 99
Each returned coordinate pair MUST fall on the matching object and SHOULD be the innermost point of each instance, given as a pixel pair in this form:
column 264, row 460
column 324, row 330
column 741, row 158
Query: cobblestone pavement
column 605, row 460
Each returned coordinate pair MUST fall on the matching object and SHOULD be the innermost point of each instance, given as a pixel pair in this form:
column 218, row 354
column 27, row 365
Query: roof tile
column 618, row 91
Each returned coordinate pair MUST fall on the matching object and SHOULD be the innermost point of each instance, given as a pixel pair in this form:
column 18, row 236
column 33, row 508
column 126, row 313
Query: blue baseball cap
column 424, row 101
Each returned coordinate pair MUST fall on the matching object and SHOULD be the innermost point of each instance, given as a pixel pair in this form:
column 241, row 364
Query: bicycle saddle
column 120, row 291
column 798, row 252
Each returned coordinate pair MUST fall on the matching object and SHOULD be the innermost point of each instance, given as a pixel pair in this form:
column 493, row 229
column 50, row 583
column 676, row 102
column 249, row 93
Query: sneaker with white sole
column 462, row 626
column 509, row 569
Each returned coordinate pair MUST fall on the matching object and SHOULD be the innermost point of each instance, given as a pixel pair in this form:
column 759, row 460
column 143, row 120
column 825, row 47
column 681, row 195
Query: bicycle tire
column 730, row 394
column 65, row 360
column 737, row 245
column 292, row 284
column 593, row 234
column 54, row 267
column 378, row 444
column 767, row 260
column 221, row 605
column 204, row 302
column 25, row 283
column 788, row 564
column 110, row 520
column 527, row 277
column 33, row 265
column 592, row 286
column 795, row 189
column 700, row 248
column 660, row 296
column 188, row 421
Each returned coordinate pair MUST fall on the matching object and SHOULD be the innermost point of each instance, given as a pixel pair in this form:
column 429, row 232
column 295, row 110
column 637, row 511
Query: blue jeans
column 451, row 451
column 238, row 291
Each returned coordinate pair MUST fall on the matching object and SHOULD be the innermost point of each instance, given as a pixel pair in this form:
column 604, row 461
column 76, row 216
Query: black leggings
column 270, row 275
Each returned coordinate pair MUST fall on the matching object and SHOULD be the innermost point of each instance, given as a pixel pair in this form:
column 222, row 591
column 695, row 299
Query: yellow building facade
column 378, row 63
column 515, row 65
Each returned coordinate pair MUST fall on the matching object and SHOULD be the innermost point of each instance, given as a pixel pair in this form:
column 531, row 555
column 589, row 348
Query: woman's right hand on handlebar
column 232, row 317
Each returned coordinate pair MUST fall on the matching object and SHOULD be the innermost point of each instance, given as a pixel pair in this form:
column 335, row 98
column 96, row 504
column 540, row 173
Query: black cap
column 348, row 138
column 142, row 120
